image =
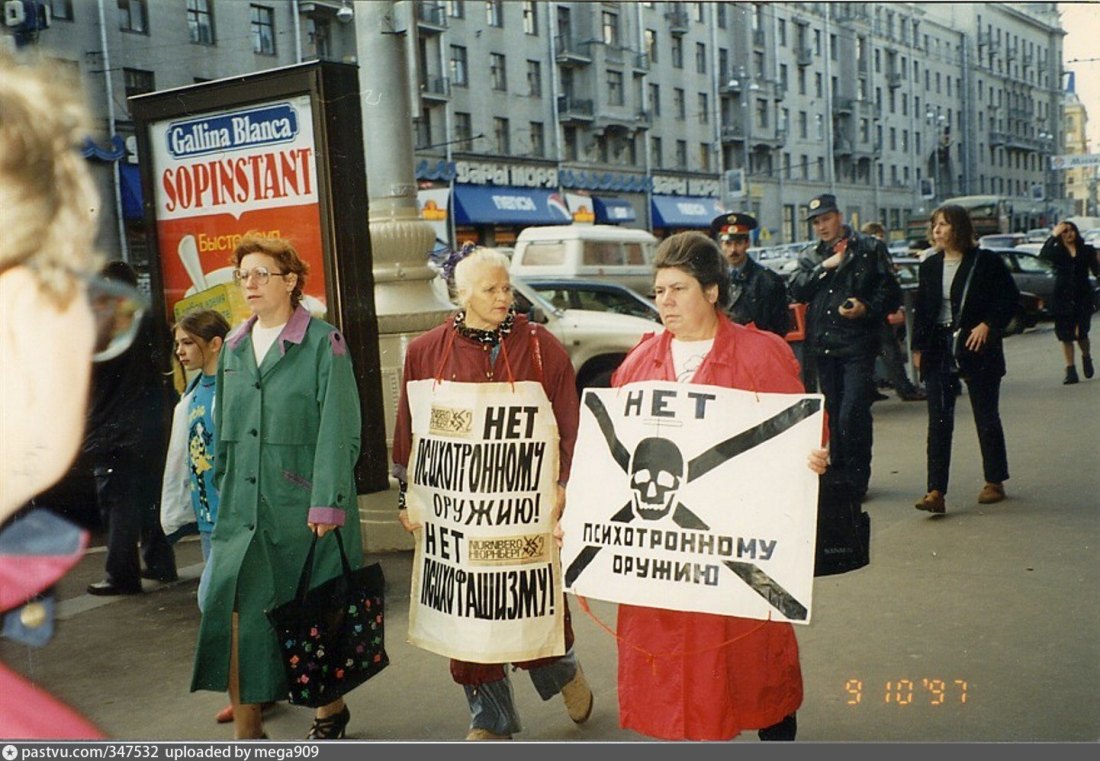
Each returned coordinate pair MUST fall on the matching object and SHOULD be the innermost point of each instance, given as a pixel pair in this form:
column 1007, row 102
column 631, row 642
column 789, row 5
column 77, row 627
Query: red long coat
column 700, row 676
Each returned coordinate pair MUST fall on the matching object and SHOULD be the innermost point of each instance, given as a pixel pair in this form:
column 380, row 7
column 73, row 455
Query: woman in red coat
column 700, row 676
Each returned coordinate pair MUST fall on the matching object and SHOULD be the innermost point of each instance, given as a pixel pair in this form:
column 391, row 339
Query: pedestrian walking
column 700, row 676
column 757, row 295
column 1073, row 301
column 126, row 441
column 965, row 299
column 287, row 437
column 849, row 287
column 487, row 340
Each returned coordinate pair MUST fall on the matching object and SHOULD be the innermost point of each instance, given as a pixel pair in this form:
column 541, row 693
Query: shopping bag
column 332, row 636
column 843, row 528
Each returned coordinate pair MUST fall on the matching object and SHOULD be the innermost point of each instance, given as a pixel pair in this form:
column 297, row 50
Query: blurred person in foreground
column 1073, row 300
column 287, row 436
column 48, row 335
column 757, row 295
column 893, row 351
column 700, row 676
column 487, row 340
column 968, row 290
column 849, row 288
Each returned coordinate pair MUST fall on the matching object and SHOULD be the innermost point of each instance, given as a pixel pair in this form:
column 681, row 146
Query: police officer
column 849, row 287
column 757, row 295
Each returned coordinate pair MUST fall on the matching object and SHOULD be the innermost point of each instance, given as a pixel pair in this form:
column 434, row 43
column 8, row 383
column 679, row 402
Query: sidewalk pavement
column 980, row 625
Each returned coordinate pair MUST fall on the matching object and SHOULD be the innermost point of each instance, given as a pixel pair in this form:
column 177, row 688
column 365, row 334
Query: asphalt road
column 977, row 626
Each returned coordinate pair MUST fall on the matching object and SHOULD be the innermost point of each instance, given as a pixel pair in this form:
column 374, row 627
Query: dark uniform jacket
column 991, row 298
column 761, row 298
column 866, row 274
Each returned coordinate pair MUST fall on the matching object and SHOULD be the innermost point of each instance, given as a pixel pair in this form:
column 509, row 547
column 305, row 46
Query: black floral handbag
column 843, row 528
column 332, row 636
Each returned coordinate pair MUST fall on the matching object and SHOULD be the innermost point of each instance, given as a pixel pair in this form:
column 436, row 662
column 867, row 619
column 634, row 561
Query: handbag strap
column 307, row 568
column 966, row 287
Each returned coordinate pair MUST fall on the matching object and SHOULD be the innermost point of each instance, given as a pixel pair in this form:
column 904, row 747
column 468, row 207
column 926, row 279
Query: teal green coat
column 287, row 437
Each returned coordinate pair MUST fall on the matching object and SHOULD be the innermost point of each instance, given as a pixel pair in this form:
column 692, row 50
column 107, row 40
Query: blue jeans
column 493, row 705
column 848, row 384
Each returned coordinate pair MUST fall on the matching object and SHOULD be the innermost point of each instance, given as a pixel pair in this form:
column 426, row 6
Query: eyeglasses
column 262, row 275
column 117, row 309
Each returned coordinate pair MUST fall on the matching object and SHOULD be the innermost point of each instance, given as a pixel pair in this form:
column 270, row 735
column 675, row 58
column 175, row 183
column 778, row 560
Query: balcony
column 435, row 88
column 677, row 19
column 842, row 147
column 572, row 52
column 431, row 17
column 804, row 56
column 844, row 105
column 780, row 91
column 733, row 133
column 893, row 79
column 640, row 62
column 644, row 119
column 574, row 110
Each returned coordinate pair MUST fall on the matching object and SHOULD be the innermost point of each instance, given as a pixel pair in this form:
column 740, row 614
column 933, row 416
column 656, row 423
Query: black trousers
column 942, row 385
column 128, row 495
column 848, row 384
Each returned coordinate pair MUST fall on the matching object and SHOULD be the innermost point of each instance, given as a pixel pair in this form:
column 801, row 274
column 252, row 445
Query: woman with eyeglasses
column 47, row 338
column 287, row 437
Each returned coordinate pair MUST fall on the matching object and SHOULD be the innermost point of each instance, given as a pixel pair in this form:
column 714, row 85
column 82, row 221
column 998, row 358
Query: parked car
column 1091, row 236
column 594, row 252
column 595, row 296
column 1002, row 240
column 1031, row 273
column 1037, row 235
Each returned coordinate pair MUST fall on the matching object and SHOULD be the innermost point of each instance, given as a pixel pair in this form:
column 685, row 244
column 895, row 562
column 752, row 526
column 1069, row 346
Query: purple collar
column 293, row 332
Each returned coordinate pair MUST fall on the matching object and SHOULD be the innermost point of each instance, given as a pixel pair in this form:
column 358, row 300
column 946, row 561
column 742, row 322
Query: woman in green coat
column 288, row 423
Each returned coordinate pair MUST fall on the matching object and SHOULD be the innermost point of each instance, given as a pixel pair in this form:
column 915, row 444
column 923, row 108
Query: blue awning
column 498, row 204
column 130, row 190
column 684, row 211
column 611, row 211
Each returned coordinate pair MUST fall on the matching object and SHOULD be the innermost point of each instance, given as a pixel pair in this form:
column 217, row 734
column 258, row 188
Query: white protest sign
column 486, row 584
column 694, row 498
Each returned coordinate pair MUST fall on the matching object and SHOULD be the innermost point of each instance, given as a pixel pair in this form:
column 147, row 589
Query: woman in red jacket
column 700, row 676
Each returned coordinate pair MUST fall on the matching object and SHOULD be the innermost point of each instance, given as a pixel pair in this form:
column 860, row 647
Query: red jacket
column 700, row 676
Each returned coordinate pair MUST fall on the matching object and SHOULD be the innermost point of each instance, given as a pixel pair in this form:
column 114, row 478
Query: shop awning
column 130, row 190
column 611, row 211
column 503, row 205
column 684, row 211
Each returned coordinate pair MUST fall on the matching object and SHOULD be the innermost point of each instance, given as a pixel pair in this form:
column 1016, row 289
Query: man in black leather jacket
column 849, row 288
column 757, row 294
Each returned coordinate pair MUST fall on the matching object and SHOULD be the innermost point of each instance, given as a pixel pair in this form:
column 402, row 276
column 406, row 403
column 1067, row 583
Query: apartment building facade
column 656, row 115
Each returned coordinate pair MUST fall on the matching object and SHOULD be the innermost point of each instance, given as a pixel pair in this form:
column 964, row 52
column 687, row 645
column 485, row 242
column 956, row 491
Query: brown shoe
column 578, row 697
column 477, row 733
column 933, row 502
column 991, row 493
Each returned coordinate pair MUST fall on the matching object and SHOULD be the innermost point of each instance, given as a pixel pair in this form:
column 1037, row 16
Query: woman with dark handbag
column 1073, row 300
column 287, row 439
column 965, row 298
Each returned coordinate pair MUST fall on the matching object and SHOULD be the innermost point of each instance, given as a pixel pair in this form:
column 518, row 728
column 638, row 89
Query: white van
column 601, row 252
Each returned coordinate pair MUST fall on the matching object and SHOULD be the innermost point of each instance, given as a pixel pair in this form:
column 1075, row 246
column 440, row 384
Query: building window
column 534, row 79
column 819, row 127
column 651, row 45
column 655, row 152
column 704, row 108
column 723, row 64
column 456, row 8
column 783, row 77
column 820, row 169
column 320, row 37
column 569, row 143
column 530, row 17
column 459, row 74
column 819, row 86
column 200, row 21
column 677, row 52
column 423, row 129
column 61, row 10
column 263, row 30
column 137, row 82
column 610, row 29
column 700, row 58
column 803, row 125
column 538, row 139
column 762, row 114
column 497, row 73
column 721, row 12
column 678, row 102
column 681, row 154
column 704, row 157
column 133, row 16
column 615, row 88
column 801, row 81
column 494, row 13
column 500, row 134
column 834, row 49
column 781, row 32
column 655, row 99
column 463, row 130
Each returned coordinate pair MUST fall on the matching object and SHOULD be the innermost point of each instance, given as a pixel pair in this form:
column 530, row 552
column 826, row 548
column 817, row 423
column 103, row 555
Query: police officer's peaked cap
column 731, row 224
column 822, row 204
